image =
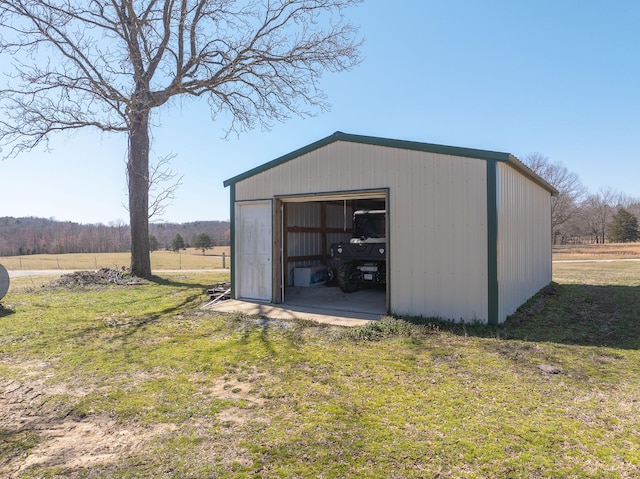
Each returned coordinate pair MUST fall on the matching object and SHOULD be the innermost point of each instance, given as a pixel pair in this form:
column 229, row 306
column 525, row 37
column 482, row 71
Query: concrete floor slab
column 326, row 305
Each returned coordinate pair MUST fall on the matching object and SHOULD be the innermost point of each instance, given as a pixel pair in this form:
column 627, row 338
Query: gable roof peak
column 400, row 144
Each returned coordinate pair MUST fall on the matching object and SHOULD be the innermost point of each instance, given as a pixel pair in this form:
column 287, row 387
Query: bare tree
column 108, row 64
column 571, row 191
column 162, row 186
column 597, row 210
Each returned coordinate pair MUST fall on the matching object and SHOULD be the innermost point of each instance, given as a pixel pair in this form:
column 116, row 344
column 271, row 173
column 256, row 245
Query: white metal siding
column 438, row 264
column 437, row 215
column 524, row 239
column 303, row 243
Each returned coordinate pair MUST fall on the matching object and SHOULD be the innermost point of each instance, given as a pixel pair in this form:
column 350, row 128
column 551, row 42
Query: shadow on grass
column 139, row 323
column 264, row 327
column 126, row 333
column 577, row 314
column 169, row 282
column 5, row 311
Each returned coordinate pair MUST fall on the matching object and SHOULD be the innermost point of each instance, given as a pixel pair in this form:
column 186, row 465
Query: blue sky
column 559, row 77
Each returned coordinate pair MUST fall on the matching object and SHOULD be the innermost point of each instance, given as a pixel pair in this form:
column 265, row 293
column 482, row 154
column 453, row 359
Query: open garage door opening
column 333, row 251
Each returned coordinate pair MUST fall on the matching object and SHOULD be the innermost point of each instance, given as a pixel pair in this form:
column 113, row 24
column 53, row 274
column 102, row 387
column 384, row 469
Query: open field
column 613, row 272
column 597, row 251
column 184, row 259
column 135, row 381
column 194, row 259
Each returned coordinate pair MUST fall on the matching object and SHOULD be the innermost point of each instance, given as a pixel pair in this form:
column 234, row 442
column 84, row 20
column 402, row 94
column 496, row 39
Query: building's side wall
column 438, row 236
column 524, row 239
column 437, row 218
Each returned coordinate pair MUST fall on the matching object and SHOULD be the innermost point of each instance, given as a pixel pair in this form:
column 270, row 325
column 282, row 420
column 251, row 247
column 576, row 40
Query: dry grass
column 594, row 272
column 194, row 259
column 596, row 251
column 160, row 260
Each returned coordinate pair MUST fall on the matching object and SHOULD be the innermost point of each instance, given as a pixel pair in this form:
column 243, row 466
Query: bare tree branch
column 163, row 184
column 571, row 191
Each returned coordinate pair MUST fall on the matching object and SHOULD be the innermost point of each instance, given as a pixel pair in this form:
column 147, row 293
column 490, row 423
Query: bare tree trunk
column 138, row 171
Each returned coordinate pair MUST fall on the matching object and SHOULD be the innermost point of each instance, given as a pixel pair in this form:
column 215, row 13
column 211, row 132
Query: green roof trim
column 400, row 144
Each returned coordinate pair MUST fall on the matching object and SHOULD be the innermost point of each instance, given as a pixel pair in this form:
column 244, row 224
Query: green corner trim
column 232, row 239
column 492, row 243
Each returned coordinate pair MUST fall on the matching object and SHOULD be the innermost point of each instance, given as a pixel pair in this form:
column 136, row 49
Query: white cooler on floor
column 311, row 276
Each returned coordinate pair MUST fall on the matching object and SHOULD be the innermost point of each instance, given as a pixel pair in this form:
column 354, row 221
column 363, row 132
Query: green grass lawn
column 137, row 381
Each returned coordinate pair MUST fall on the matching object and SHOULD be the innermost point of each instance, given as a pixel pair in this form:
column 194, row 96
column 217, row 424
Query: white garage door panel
column 253, row 240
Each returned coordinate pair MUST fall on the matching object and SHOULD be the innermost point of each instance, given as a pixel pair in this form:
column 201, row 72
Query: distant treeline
column 22, row 236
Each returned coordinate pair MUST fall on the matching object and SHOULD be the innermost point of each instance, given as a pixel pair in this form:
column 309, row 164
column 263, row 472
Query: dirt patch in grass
column 42, row 429
column 37, row 423
column 81, row 443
